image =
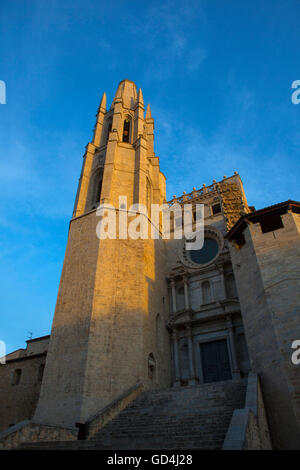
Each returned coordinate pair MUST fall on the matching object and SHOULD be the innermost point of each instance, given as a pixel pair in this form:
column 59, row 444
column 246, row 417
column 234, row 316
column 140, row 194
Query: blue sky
column 218, row 75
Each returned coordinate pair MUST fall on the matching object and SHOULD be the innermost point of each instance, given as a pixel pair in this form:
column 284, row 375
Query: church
column 154, row 345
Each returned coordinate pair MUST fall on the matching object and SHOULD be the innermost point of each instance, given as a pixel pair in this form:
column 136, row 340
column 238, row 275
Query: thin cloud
column 39, row 186
column 195, row 158
column 167, row 41
column 194, row 59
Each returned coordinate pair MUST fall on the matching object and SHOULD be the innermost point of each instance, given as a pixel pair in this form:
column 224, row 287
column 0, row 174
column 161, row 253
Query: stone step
column 143, row 443
column 196, row 416
column 126, row 445
column 193, row 417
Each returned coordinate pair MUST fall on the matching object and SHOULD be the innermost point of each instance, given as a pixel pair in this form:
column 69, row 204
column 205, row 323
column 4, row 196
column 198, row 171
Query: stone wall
column 267, row 271
column 249, row 429
column 28, row 431
column 63, row 381
column 18, row 402
column 104, row 328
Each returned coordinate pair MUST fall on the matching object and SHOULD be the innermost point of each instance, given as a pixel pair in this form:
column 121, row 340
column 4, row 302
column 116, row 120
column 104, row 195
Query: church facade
column 151, row 311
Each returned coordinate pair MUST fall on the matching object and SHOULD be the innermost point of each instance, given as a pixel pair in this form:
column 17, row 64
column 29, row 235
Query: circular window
column 213, row 245
column 207, row 253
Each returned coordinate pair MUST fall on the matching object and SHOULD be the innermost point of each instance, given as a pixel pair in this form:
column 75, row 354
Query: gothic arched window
column 180, row 303
column 126, row 129
column 97, row 186
column 109, row 126
column 148, row 197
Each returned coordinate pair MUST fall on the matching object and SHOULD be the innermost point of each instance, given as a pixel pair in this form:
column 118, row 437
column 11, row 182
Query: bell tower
column 122, row 145
column 112, row 295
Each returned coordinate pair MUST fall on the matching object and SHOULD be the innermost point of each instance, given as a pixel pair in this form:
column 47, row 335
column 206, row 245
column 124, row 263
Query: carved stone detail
column 232, row 203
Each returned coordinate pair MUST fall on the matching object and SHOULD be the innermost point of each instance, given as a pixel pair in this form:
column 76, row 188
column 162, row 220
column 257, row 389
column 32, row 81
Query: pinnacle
column 148, row 112
column 103, row 101
column 140, row 98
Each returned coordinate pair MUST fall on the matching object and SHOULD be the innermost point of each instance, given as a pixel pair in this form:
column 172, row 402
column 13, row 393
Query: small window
column 16, row 377
column 206, row 293
column 270, row 223
column 151, row 366
column 126, row 130
column 180, row 301
column 216, row 209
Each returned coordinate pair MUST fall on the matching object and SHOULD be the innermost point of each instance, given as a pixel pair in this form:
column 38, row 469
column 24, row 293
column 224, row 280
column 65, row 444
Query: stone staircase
column 194, row 417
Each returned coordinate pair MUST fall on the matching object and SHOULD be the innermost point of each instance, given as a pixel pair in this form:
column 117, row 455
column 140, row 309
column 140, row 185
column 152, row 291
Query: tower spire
column 150, row 130
column 126, row 94
column 139, row 115
column 99, row 121
column 103, row 102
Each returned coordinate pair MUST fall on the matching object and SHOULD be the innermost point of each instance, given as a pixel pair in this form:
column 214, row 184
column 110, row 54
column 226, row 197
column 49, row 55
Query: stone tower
column 108, row 330
column 265, row 253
